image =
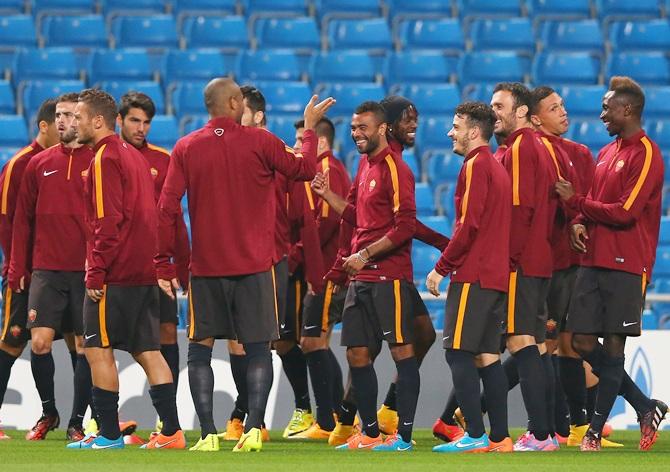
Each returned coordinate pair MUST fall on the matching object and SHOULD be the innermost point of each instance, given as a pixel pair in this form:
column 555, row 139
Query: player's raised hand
column 321, row 184
column 315, row 111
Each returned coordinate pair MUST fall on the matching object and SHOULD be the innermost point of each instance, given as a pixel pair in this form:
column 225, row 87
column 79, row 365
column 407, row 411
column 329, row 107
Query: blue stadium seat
column 431, row 8
column 628, row 9
column 583, row 101
column 189, row 123
column 662, row 265
column 659, row 131
column 359, row 34
column 443, row 33
column 164, row 131
column 7, row 102
column 657, row 102
column 488, row 8
column 132, row 6
column 199, row 64
column 40, row 7
column 650, row 35
column 17, row 30
column 296, row 7
column 351, row 94
column 664, row 234
column 145, row 31
column 50, row 63
column 445, row 199
column 432, row 99
column 432, row 134
column 6, row 153
column 479, row 92
column 539, row 9
column 294, row 33
column 186, row 98
column 13, row 131
column 566, row 67
column 333, row 8
column 215, row 32
column 424, row 258
column 572, row 35
column 650, row 319
column 503, row 33
column 591, row 133
column 185, row 7
column 441, row 224
column 443, row 167
column 497, row 66
column 344, row 66
column 645, row 67
column 68, row 30
column 419, row 66
column 283, row 127
column 117, row 88
column 425, row 199
column 285, row 97
column 34, row 92
column 12, row 7
column 279, row 64
column 120, row 64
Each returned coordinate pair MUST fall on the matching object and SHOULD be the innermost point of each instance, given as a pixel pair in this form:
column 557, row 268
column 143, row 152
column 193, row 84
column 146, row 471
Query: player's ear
column 522, row 111
column 119, row 120
column 383, row 128
column 535, row 120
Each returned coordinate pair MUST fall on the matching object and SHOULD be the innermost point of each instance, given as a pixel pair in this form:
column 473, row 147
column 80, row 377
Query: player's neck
column 630, row 130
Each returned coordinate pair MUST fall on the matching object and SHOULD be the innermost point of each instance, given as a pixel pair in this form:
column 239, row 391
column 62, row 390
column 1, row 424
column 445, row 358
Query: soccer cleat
column 209, row 443
column 561, row 439
column 394, row 443
column 314, row 432
column 506, row 445
column 340, row 434
column 3, row 435
column 75, row 433
column 577, row 435
column 128, row 427
column 91, row 427
column 528, row 442
column 446, row 432
column 250, row 442
column 460, row 419
column 91, row 441
column 649, row 423
column 42, row 427
column 300, row 421
column 234, row 430
column 360, row 441
column 160, row 441
column 265, row 434
column 590, row 442
column 387, row 419
column 607, row 430
column 465, row 444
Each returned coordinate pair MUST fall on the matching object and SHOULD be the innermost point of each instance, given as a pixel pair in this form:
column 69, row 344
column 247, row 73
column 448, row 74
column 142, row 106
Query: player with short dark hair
column 121, row 306
column 13, row 332
column 617, row 233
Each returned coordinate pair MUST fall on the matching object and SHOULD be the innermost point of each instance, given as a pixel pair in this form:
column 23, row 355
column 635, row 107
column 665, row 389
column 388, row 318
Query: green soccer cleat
column 250, row 442
column 300, row 421
column 209, row 443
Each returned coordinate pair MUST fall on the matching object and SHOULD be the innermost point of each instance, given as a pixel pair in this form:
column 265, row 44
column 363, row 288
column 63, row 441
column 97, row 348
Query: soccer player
column 476, row 299
column 532, row 172
column 13, row 334
column 49, row 250
column 121, row 306
column 229, row 173
column 136, row 111
column 381, row 206
column 617, row 233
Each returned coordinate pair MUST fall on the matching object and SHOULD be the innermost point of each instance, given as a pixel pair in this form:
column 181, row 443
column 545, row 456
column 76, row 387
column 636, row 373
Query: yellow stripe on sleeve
column 159, row 149
column 643, row 174
column 8, row 176
column 462, row 304
column 394, row 180
column 516, row 200
column 468, row 181
column 552, row 152
column 99, row 205
column 310, row 198
column 398, row 312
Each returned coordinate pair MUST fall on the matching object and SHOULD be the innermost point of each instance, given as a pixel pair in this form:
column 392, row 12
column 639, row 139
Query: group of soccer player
column 550, row 251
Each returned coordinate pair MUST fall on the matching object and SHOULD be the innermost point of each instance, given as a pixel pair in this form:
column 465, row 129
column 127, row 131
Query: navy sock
column 390, row 400
column 107, row 406
column 573, row 379
column 633, row 395
column 561, row 412
column 319, row 371
column 450, row 408
column 407, row 387
column 591, row 394
column 337, row 379
column 238, row 366
column 82, row 391
column 364, row 381
column 43, row 369
column 259, row 382
column 6, row 363
column 171, row 354
column 550, row 395
column 347, row 413
column 495, row 385
column 164, row 399
column 611, row 372
column 295, row 368
column 532, row 382
column 201, row 382
column 511, row 368
column 466, row 384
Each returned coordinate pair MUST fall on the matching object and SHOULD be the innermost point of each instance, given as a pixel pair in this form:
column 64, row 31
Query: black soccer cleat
column 649, row 423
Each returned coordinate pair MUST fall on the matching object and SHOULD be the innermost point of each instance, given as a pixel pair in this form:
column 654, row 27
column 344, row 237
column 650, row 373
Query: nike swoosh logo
column 47, row 174
column 461, row 445
column 310, row 327
column 90, row 336
column 98, row 446
column 240, row 444
column 159, row 445
column 599, row 164
column 404, row 448
column 629, row 324
column 363, row 446
column 387, row 332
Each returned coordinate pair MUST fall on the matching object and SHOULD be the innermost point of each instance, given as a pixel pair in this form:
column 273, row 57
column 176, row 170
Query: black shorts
column 167, row 308
column 242, row 307
column 419, row 308
column 318, row 313
column 14, row 317
column 126, row 318
column 376, row 311
column 526, row 313
column 56, row 301
column 606, row 301
column 558, row 300
column 296, row 289
column 473, row 318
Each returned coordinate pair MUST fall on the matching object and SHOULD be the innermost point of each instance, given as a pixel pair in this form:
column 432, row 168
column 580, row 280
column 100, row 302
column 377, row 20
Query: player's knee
column 583, row 344
column 401, row 352
column 256, row 349
column 308, row 344
column 168, row 333
column 41, row 345
column 358, row 357
column 283, row 346
column 615, row 345
column 14, row 351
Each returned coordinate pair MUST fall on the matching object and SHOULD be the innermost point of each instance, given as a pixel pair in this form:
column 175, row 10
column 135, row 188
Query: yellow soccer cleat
column 300, row 421
column 577, row 434
column 91, row 427
column 209, row 444
column 340, row 434
column 387, row 419
column 250, row 442
column 234, row 430
column 314, row 432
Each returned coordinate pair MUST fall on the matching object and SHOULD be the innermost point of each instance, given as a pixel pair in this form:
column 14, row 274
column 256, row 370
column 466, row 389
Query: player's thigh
column 393, row 311
column 255, row 315
column 585, row 315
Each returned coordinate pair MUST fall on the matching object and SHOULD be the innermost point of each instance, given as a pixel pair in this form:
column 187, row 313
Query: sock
column 238, row 366
column 511, row 368
column 319, row 371
column 611, row 372
column 164, row 399
column 6, row 363
column 595, row 358
column 259, row 382
column 449, row 410
column 295, row 368
column 390, row 400
column 561, row 412
column 550, row 388
column 171, row 354
column 43, row 369
column 364, row 381
column 495, row 393
column 407, row 388
column 347, row 413
column 201, row 382
column 337, row 380
column 73, row 359
column 82, row 391
column 532, row 382
column 591, row 394
column 107, row 406
column 466, row 385
column 573, row 379
column 633, row 395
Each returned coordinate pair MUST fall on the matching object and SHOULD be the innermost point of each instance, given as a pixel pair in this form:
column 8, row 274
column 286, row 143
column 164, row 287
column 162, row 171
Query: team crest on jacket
column 218, row 132
column 15, row 330
column 32, row 315
column 619, row 165
column 372, row 185
column 154, row 172
column 84, row 174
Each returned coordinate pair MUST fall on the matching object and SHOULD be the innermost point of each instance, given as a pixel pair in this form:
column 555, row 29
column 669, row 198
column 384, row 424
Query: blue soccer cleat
column 465, row 444
column 394, row 443
column 91, row 441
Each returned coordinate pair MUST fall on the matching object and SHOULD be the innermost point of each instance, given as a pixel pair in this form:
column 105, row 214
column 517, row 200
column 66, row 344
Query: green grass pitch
column 283, row 455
